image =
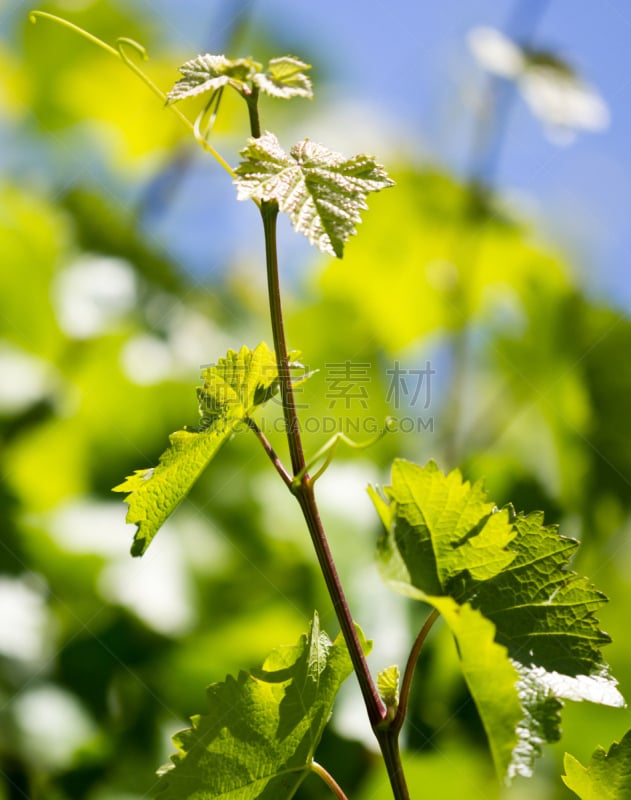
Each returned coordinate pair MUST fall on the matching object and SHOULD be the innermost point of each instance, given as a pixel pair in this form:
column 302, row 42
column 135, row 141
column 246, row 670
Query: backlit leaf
column 437, row 527
column 444, row 539
column 322, row 191
column 232, row 389
column 285, row 77
column 208, row 73
column 490, row 676
column 388, row 685
column 259, row 735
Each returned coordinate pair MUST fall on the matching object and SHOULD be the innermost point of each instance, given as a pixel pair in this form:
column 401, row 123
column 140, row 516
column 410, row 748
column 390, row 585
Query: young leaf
column 258, row 738
column 388, row 685
column 232, row 389
column 322, row 191
column 444, row 538
column 285, row 77
column 207, row 73
column 608, row 776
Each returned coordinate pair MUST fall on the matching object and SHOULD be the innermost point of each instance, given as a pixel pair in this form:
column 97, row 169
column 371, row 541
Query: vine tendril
column 119, row 51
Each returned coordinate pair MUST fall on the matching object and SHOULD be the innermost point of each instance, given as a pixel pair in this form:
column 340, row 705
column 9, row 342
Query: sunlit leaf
column 259, row 735
column 544, row 612
column 437, row 527
column 285, row 77
column 608, row 776
column 322, row 191
column 232, row 389
column 207, row 73
column 444, row 538
column 490, row 676
column 388, row 685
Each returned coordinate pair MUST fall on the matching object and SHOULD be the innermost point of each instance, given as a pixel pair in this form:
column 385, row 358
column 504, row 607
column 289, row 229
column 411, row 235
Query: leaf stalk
column 408, row 675
column 330, row 781
column 303, row 490
column 271, row 453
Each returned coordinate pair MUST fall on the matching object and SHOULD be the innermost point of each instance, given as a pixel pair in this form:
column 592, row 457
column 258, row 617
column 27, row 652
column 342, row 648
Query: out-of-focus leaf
column 429, row 280
column 33, row 239
column 101, row 228
column 285, row 77
column 551, row 87
column 608, row 775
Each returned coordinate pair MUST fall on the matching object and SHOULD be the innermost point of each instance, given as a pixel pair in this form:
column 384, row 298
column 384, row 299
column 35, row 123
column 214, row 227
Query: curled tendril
column 121, row 51
column 328, row 451
column 122, row 42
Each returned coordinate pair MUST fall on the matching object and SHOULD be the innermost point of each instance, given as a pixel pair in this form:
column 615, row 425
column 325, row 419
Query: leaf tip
column 139, row 546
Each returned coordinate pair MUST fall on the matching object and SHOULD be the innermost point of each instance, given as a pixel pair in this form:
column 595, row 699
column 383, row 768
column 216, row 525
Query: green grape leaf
column 232, row 389
column 284, row 78
column 490, row 676
column 544, row 612
column 444, row 539
column 545, row 616
column 259, row 735
column 437, row 527
column 207, row 73
column 322, row 191
column 608, row 776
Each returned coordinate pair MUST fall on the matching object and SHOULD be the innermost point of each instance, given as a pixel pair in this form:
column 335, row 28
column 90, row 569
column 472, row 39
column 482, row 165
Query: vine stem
column 303, row 489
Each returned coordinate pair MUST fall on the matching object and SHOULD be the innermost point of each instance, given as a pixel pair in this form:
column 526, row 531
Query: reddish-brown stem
column 406, row 683
column 271, row 453
column 303, row 489
column 269, row 214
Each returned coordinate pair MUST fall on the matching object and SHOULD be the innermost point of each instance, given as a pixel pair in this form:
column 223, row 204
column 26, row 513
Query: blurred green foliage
column 102, row 335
